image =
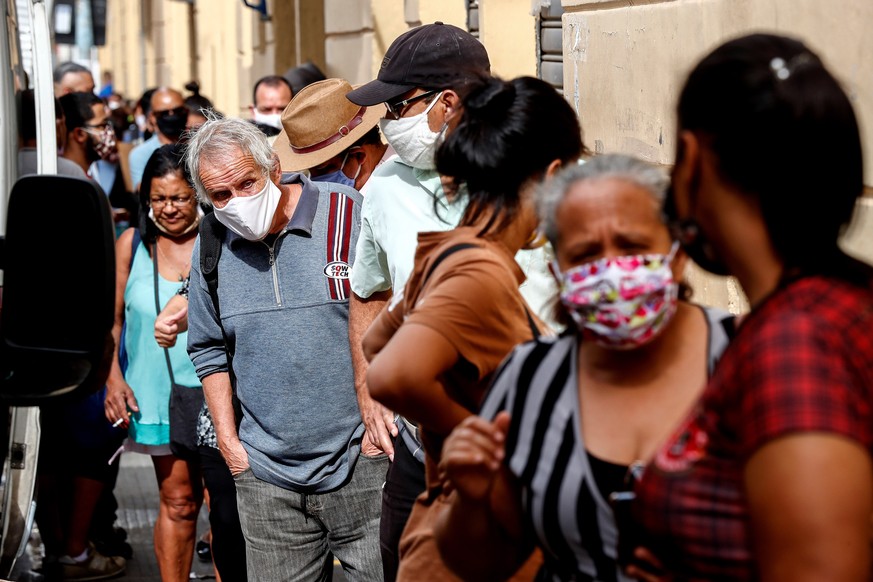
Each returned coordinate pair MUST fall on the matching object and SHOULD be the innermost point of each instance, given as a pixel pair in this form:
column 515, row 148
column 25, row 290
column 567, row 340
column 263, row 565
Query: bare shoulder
column 122, row 246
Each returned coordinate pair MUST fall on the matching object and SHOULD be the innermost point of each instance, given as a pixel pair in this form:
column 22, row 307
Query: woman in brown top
column 437, row 344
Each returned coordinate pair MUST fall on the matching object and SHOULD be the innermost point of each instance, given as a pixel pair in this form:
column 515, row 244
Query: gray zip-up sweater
column 284, row 308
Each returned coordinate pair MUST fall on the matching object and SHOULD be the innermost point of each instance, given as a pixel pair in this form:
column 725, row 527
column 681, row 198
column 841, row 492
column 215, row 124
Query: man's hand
column 379, row 425
column 234, row 455
column 378, row 420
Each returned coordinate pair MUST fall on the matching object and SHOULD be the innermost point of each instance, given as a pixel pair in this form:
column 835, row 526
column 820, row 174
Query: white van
column 57, row 271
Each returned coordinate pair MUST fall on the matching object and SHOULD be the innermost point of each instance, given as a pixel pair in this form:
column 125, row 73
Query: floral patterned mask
column 622, row 302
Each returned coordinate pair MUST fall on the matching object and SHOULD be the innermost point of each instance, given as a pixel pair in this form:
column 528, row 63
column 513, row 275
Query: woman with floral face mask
column 547, row 461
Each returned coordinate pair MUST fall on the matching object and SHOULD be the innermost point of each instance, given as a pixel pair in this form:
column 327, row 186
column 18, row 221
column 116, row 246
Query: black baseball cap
column 433, row 56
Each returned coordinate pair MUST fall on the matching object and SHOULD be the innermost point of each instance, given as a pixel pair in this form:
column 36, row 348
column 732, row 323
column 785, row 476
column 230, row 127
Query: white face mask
column 140, row 121
column 271, row 119
column 412, row 138
column 251, row 216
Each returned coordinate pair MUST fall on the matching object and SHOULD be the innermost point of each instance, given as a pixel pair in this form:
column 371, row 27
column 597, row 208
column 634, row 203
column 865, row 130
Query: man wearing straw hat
column 331, row 137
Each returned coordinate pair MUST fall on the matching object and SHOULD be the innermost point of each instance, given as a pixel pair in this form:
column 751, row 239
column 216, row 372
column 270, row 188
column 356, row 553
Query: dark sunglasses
column 168, row 112
column 395, row 110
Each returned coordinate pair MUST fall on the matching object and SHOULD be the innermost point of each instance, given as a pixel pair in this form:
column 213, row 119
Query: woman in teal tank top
column 138, row 397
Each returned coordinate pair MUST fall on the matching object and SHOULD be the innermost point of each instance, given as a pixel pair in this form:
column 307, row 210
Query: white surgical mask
column 413, row 139
column 140, row 121
column 251, row 216
column 271, row 119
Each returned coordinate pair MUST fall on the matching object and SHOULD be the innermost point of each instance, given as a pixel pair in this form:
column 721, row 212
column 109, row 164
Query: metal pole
column 44, row 96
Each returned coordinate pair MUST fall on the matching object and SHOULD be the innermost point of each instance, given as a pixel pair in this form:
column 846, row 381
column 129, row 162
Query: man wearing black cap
column 418, row 83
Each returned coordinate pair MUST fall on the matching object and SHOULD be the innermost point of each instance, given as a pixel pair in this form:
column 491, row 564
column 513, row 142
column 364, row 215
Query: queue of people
column 469, row 353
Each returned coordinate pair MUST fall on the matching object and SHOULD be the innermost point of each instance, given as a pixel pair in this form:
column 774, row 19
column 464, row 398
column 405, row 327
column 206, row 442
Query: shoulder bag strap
column 459, row 247
column 445, row 255
column 134, row 243
column 158, row 310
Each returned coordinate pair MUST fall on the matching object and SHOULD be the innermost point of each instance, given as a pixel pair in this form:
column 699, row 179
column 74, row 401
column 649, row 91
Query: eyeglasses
column 395, row 110
column 105, row 125
column 173, row 111
column 175, row 201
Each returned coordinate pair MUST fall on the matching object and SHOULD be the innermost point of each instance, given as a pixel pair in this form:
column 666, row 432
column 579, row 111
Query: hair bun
column 492, row 101
column 194, row 87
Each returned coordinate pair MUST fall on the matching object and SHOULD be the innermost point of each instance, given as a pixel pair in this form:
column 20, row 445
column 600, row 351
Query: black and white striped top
column 573, row 522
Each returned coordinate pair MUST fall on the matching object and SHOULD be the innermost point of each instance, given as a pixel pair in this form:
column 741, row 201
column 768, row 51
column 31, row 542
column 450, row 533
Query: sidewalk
column 137, row 493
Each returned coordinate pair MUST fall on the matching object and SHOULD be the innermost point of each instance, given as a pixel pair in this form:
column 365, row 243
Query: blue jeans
column 289, row 536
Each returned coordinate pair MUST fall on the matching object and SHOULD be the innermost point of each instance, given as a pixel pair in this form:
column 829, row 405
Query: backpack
column 212, row 235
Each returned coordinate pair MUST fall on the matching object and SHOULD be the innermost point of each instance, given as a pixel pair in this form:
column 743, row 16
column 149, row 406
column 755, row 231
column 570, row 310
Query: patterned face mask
column 622, row 302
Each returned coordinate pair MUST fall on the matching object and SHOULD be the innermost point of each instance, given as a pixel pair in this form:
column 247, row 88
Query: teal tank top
column 147, row 373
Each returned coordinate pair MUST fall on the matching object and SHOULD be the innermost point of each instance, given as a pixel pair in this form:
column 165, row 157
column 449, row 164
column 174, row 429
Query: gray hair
column 69, row 67
column 221, row 138
column 618, row 166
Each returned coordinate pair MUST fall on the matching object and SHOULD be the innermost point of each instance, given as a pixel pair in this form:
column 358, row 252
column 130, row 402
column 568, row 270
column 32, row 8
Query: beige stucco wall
column 149, row 43
column 625, row 65
column 507, row 29
column 448, row 11
column 391, row 18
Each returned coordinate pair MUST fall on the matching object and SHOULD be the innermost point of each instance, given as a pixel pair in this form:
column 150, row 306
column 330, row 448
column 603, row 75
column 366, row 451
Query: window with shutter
column 550, row 53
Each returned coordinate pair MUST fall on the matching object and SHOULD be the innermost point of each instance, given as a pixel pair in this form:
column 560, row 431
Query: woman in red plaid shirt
column 771, row 478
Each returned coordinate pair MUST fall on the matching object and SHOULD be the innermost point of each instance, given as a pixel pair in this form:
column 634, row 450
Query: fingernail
column 391, row 458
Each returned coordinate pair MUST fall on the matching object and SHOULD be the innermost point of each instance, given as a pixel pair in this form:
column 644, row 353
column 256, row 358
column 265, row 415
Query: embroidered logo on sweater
column 337, row 270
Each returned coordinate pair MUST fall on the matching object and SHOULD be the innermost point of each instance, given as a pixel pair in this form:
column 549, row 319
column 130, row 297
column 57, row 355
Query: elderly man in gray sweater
column 276, row 334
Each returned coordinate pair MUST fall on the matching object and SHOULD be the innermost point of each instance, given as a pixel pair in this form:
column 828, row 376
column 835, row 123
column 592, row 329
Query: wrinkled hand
column 380, row 427
column 119, row 399
column 235, row 456
column 472, row 456
column 648, row 567
column 167, row 328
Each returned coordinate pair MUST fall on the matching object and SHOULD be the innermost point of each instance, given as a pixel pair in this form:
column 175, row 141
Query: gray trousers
column 289, row 536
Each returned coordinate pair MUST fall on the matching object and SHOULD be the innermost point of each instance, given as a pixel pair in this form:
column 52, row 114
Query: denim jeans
column 289, row 535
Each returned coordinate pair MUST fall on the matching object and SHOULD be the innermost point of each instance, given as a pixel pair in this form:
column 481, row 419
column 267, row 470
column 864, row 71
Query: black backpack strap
column 212, row 235
column 211, row 238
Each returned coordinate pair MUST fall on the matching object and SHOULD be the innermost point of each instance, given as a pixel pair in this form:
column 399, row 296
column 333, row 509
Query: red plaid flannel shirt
column 803, row 361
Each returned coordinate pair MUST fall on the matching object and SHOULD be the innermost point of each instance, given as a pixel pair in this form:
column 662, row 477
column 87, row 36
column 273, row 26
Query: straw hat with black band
column 320, row 123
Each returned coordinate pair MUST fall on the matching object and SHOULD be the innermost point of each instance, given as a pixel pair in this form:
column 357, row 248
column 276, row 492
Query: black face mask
column 687, row 231
column 172, row 125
